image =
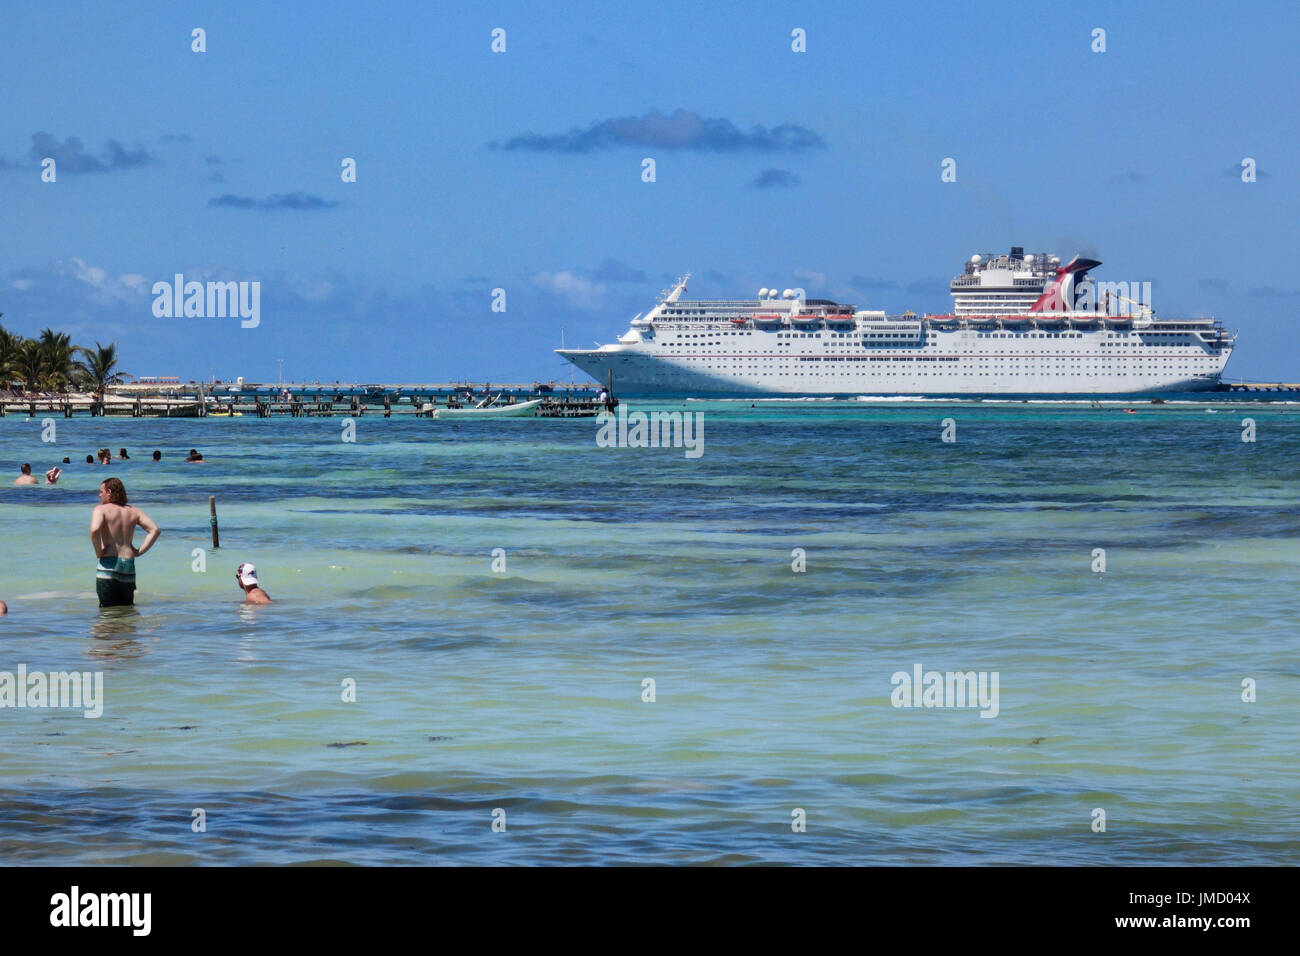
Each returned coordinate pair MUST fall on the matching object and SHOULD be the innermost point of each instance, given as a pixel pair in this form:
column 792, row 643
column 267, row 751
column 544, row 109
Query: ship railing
column 728, row 303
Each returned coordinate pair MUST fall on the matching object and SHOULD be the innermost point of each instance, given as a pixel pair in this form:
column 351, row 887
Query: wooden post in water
column 212, row 510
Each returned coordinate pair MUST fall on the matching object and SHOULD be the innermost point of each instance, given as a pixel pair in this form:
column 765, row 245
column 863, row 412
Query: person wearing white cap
column 246, row 575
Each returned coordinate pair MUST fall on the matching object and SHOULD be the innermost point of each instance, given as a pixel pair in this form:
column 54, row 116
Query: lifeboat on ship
column 767, row 320
column 807, row 320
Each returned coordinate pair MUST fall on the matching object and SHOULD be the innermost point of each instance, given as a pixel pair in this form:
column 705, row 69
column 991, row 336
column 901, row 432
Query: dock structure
column 1259, row 386
column 302, row 400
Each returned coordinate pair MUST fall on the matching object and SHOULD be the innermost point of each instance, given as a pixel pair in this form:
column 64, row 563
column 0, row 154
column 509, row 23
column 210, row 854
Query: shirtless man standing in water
column 112, row 528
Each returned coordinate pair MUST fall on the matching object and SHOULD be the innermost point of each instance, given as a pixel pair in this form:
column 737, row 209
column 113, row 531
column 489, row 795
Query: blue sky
column 522, row 170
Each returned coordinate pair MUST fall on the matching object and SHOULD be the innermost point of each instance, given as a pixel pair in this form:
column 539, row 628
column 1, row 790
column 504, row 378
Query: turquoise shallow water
column 522, row 690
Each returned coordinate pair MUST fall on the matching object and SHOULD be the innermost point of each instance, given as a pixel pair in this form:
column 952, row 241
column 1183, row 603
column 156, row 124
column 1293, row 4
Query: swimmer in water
column 246, row 576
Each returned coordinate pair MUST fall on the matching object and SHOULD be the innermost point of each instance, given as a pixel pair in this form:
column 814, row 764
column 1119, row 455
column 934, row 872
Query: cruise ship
column 1021, row 325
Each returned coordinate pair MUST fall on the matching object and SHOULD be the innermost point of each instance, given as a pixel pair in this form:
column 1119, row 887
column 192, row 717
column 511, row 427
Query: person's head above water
column 26, row 468
column 157, row 455
column 246, row 576
column 112, row 492
column 90, row 459
column 121, row 453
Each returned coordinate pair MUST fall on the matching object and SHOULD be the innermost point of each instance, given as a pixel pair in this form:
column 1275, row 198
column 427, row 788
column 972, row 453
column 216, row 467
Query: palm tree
column 59, row 354
column 9, row 345
column 29, row 364
column 98, row 368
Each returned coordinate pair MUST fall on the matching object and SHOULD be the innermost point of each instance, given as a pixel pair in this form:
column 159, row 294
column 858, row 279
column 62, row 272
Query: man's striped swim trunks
column 115, row 581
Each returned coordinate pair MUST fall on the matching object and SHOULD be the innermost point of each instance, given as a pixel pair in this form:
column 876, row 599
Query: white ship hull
column 952, row 366
column 1045, row 333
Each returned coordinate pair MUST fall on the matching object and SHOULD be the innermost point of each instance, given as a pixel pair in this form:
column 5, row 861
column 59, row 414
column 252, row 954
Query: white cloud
column 92, row 275
column 576, row 290
column 313, row 290
column 105, row 287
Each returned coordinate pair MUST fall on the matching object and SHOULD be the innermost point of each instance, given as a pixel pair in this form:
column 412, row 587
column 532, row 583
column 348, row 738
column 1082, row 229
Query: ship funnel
column 1059, row 296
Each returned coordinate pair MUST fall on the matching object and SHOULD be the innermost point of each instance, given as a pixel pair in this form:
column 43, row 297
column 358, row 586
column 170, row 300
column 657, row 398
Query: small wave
column 791, row 398
column 54, row 595
column 912, row 398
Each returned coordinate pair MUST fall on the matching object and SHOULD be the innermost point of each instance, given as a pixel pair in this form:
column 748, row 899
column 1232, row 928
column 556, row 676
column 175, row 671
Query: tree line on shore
column 53, row 363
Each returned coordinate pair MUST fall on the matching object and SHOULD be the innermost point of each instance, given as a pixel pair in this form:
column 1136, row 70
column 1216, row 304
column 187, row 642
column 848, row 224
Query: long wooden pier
column 304, row 400
column 1259, row 387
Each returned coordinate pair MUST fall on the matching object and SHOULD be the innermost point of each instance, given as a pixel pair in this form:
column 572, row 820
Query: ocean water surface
column 509, row 685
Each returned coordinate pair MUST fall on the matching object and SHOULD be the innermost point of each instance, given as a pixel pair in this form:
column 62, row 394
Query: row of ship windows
column 905, row 355
column 888, row 340
column 1169, row 366
column 966, row 353
column 912, row 373
column 896, row 336
column 1073, row 359
column 1136, row 342
column 930, row 337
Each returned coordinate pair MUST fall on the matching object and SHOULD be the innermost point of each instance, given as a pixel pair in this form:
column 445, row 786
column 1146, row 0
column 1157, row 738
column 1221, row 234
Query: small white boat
column 518, row 410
